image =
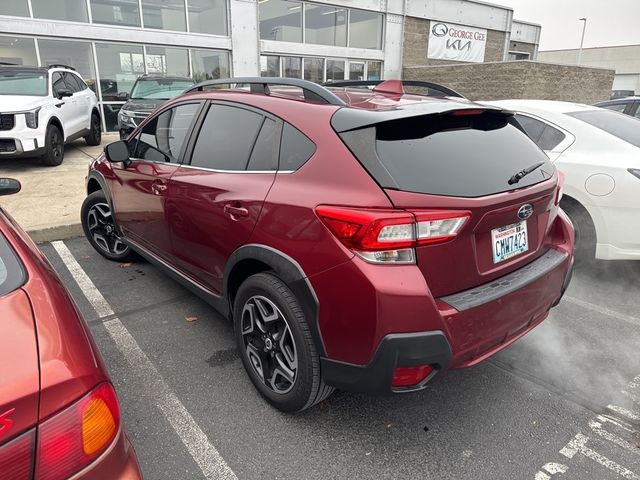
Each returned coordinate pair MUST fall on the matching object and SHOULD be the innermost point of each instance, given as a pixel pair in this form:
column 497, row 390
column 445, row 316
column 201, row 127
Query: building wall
column 416, row 44
column 520, row 79
column 523, row 47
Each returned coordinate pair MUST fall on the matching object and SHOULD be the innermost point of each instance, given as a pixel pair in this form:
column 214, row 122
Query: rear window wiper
column 523, row 173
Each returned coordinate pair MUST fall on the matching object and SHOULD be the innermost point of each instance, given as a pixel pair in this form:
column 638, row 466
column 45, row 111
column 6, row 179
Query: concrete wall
column 520, row 79
column 416, row 44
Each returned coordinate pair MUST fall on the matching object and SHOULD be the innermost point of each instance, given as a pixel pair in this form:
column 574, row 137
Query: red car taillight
column 390, row 236
column 16, row 457
column 410, row 376
column 76, row 436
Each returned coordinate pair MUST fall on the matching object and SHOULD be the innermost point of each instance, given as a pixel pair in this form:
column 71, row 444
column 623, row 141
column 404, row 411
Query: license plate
column 509, row 241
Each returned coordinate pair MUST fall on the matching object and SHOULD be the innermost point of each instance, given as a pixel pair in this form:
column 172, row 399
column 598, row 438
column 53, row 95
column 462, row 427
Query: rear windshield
column 451, row 155
column 622, row 126
column 11, row 272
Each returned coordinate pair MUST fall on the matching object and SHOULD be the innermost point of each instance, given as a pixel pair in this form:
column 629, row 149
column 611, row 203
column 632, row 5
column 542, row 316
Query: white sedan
column 599, row 152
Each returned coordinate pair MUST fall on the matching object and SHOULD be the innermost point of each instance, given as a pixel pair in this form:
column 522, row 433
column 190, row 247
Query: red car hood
column 19, row 367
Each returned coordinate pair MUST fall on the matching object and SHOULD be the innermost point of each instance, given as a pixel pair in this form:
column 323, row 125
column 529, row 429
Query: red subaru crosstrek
column 364, row 239
column 59, row 414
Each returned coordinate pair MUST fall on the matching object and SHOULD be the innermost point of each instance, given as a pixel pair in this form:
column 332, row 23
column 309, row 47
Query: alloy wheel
column 95, row 128
column 269, row 344
column 56, row 144
column 103, row 231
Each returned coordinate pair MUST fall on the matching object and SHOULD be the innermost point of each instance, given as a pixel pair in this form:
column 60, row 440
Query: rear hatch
column 19, row 367
column 470, row 161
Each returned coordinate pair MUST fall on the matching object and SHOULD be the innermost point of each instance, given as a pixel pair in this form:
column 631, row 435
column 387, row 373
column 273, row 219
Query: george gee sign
column 448, row 41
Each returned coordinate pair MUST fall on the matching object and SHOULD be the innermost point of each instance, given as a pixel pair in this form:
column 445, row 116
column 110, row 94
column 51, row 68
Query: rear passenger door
column 215, row 201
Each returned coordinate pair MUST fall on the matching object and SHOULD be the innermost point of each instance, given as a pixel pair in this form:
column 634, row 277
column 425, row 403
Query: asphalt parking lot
column 563, row 402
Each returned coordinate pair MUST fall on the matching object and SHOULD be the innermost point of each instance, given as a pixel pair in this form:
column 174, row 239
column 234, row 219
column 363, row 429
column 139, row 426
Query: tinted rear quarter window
column 463, row 156
column 295, row 149
column 617, row 124
column 264, row 156
column 12, row 275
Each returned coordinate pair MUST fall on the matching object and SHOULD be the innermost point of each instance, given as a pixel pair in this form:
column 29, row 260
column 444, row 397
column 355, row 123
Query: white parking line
column 605, row 311
column 198, row 445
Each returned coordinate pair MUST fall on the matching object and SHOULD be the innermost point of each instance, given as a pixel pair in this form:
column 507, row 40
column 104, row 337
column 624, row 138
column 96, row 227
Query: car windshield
column 622, row 126
column 13, row 82
column 160, row 89
column 11, row 273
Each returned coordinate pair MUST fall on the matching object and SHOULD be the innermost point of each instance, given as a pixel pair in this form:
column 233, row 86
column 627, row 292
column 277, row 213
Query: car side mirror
column 9, row 186
column 117, row 152
column 123, row 96
column 64, row 92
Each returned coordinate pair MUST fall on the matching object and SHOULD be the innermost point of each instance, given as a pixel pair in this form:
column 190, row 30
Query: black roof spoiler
column 396, row 86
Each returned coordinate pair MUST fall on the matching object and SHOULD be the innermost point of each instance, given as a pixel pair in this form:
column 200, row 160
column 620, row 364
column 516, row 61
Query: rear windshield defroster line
column 12, row 273
column 448, row 154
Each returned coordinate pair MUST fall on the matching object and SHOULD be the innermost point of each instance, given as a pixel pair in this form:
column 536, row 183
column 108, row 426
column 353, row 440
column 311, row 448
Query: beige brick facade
column 520, row 79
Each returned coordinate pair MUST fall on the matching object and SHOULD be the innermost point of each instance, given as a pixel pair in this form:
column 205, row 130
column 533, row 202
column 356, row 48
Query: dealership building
column 112, row 42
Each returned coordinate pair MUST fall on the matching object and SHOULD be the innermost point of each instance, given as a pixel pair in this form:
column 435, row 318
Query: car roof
column 613, row 101
column 356, row 107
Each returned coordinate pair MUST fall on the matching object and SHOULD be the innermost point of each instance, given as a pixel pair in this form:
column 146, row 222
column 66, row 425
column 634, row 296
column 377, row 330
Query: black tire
column 54, row 147
column 94, row 137
column 100, row 229
column 307, row 388
column 585, row 245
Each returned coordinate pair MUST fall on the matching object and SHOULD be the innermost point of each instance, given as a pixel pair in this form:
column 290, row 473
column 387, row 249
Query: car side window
column 295, row 149
column 637, row 114
column 226, row 139
column 264, row 156
column 57, row 83
column 616, row 107
column 544, row 135
column 163, row 137
column 74, row 83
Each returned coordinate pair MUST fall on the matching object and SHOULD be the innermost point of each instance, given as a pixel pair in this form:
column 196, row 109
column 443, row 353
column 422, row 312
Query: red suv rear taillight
column 76, row 436
column 390, row 236
column 16, row 457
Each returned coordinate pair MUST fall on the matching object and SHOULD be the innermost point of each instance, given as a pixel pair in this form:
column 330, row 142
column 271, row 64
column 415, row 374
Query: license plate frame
column 509, row 241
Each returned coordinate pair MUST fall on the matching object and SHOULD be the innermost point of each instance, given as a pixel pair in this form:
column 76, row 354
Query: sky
column 609, row 22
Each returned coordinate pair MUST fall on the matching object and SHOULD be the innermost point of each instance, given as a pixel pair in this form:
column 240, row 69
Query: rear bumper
column 480, row 327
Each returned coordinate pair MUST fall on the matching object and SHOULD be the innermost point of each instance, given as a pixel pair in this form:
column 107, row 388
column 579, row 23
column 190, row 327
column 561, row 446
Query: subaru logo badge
column 525, row 211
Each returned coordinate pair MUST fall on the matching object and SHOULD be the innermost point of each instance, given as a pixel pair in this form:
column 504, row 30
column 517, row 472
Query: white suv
column 43, row 108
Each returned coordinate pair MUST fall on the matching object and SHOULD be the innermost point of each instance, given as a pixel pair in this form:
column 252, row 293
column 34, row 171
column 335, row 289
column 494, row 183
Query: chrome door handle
column 158, row 187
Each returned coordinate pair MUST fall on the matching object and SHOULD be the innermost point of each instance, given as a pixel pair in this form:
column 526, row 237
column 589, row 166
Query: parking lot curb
column 59, row 232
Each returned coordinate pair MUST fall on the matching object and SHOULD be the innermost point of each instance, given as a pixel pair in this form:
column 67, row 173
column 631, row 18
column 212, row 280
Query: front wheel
column 100, row 229
column 276, row 345
column 53, row 147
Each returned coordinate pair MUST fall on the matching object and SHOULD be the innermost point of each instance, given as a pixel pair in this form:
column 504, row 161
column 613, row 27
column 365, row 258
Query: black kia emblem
column 439, row 30
column 525, row 211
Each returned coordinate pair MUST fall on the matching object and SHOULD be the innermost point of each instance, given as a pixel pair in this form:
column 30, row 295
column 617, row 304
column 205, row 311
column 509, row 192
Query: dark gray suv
column 147, row 94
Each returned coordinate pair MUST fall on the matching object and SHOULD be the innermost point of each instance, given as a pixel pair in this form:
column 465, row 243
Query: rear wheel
column 54, row 147
column 94, row 137
column 276, row 346
column 585, row 244
column 100, row 229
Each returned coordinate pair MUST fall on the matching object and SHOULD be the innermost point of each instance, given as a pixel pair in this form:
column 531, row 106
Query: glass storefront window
column 374, row 70
column 115, row 12
column 75, row 54
column 209, row 64
column 335, row 70
column 356, row 70
column 208, row 16
column 314, row 69
column 119, row 66
column 164, row 14
column 18, row 50
column 365, row 29
column 17, row 8
column 70, row 10
column 269, row 66
column 325, row 25
column 291, row 67
column 169, row 61
column 280, row 20
column 110, row 115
